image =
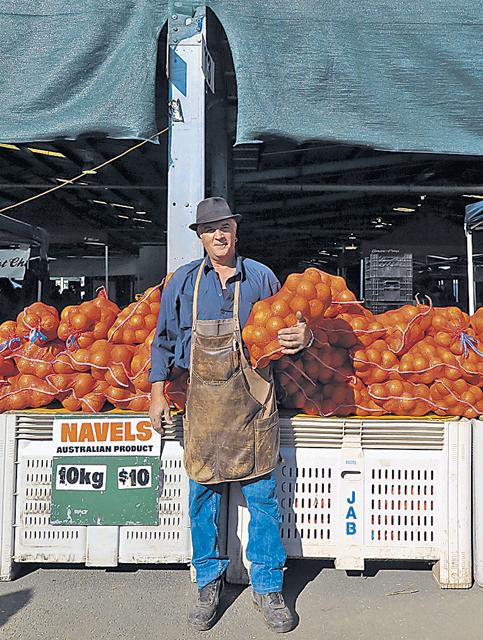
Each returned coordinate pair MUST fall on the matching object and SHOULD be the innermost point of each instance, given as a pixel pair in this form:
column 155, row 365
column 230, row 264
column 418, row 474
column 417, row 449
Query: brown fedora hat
column 212, row 210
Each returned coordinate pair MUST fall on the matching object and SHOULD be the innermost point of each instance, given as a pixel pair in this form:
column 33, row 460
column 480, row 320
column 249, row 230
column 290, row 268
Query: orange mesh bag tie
column 137, row 320
column 82, row 324
column 38, row 323
column 405, row 326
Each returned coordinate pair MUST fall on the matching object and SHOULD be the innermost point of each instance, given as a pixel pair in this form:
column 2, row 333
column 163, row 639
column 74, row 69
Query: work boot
column 276, row 614
column 203, row 615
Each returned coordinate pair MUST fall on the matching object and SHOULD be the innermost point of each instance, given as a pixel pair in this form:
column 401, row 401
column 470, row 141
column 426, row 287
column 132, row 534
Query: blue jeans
column 265, row 550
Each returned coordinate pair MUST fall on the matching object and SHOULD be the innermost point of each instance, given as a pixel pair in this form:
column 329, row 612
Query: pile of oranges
column 409, row 361
column 93, row 354
column 398, row 362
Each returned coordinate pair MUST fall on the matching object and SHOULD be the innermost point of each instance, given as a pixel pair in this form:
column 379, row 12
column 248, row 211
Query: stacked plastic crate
column 388, row 280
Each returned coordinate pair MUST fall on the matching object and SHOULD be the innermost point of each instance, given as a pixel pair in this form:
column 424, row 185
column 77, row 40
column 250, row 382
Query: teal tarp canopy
column 392, row 75
column 68, row 68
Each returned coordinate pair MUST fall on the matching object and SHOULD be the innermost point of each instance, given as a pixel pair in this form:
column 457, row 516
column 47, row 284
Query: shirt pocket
column 185, row 311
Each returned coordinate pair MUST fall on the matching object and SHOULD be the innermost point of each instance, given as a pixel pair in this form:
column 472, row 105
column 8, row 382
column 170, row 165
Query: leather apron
column 231, row 426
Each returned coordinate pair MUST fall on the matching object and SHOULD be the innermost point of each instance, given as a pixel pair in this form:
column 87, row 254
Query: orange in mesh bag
column 127, row 398
column 471, row 366
column 140, row 364
column 38, row 323
column 457, row 398
column 36, row 359
column 25, row 392
column 82, row 324
column 361, row 330
column 427, row 360
column 9, row 340
column 476, row 322
column 375, row 363
column 79, row 391
column 448, row 327
column 405, row 326
column 403, row 398
column 104, row 360
column 134, row 324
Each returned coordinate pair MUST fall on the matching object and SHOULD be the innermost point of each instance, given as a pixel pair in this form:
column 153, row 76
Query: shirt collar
column 239, row 266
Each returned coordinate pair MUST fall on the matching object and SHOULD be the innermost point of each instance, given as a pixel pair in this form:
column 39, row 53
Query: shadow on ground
column 13, row 602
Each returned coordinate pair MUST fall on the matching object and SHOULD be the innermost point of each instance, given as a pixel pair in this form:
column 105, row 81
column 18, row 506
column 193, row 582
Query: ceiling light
column 422, row 197
column 46, row 152
column 352, row 237
column 379, row 226
column 465, row 195
column 404, row 209
column 120, row 216
column 99, row 201
column 442, row 257
column 445, row 267
column 141, row 213
column 10, row 146
column 141, row 220
column 122, row 206
column 351, row 247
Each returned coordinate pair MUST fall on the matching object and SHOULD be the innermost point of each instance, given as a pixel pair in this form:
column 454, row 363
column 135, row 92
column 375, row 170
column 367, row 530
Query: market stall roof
column 388, row 75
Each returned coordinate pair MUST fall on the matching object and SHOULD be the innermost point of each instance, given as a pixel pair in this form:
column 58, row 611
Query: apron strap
column 195, row 293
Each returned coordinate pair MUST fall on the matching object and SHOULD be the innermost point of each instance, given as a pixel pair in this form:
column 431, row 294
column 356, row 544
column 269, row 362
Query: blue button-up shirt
column 171, row 344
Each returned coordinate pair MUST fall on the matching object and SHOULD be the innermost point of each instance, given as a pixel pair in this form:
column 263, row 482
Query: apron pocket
column 236, row 453
column 267, row 443
column 216, row 367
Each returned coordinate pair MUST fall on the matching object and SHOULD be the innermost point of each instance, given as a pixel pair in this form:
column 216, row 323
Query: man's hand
column 159, row 408
column 293, row 339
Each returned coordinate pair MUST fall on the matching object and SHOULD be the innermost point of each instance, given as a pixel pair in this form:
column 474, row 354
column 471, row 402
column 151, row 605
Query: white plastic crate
column 478, row 500
column 356, row 490
column 27, row 535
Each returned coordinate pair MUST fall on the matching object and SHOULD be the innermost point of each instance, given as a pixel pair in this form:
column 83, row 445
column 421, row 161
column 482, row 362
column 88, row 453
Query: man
column 231, row 430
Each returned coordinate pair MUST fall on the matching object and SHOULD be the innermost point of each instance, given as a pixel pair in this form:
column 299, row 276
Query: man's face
column 218, row 238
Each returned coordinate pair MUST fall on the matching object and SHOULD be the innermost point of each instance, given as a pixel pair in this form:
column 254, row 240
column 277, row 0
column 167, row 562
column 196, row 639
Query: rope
column 83, row 174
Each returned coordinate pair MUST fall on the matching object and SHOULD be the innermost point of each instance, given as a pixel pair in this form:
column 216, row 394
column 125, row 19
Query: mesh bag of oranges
column 310, row 293
column 38, row 323
column 80, row 325
column 134, row 324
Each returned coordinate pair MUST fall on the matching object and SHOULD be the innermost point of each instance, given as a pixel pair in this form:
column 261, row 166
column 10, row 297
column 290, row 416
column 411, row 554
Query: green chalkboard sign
column 105, row 471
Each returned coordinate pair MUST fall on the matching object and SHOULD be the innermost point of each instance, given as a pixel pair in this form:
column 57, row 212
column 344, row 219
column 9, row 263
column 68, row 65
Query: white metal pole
column 361, row 284
column 186, row 149
column 471, row 274
column 106, row 267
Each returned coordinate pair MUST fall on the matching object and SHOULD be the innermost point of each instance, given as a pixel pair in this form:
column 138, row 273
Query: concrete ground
column 131, row 603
